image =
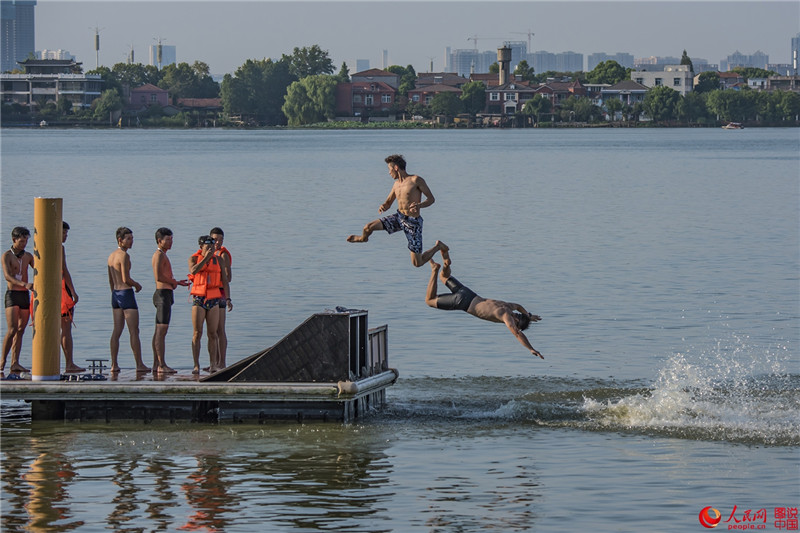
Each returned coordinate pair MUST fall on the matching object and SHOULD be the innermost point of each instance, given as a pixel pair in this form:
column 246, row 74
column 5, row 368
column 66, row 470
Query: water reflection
column 320, row 477
column 37, row 478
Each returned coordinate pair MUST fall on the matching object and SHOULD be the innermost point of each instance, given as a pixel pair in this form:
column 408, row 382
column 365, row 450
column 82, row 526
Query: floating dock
column 332, row 367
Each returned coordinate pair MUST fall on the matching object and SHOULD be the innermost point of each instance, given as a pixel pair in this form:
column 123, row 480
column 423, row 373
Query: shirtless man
column 70, row 297
column 123, row 300
column 163, row 298
column 408, row 191
column 16, row 262
column 512, row 315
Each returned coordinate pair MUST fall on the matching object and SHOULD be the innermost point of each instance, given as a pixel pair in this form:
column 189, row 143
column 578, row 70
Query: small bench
column 97, row 365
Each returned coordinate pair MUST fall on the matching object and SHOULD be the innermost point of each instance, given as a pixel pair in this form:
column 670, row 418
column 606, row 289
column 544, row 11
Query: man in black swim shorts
column 461, row 298
column 16, row 263
column 163, row 298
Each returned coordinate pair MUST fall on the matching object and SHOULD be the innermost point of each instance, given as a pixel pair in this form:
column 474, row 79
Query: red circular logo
column 707, row 519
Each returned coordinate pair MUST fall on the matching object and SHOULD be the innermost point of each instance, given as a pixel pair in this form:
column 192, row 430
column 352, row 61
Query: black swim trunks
column 21, row 299
column 163, row 300
column 411, row 226
column 460, row 298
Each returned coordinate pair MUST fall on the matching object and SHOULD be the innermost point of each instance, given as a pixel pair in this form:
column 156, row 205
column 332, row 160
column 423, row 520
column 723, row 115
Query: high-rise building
column 362, row 65
column 519, row 51
column 737, row 59
column 795, row 57
column 17, row 36
column 167, row 55
column 624, row 60
column 54, row 54
column 466, row 61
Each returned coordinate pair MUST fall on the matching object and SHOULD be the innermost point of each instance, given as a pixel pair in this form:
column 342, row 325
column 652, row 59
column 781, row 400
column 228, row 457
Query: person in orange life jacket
column 220, row 251
column 208, row 282
column 69, row 297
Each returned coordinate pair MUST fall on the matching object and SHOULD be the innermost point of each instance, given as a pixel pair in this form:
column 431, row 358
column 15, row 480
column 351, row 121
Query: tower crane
column 475, row 38
column 529, row 33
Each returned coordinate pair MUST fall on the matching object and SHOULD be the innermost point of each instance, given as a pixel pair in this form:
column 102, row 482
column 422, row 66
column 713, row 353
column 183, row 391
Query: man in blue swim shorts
column 408, row 190
column 123, row 300
column 461, row 298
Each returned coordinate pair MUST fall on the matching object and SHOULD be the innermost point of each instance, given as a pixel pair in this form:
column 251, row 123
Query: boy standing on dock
column 163, row 298
column 226, row 304
column 408, row 190
column 69, row 297
column 16, row 262
column 123, row 300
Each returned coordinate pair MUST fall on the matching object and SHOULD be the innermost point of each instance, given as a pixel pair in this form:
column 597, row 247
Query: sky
column 225, row 34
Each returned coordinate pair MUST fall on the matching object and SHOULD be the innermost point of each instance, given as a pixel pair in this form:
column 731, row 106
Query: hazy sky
column 225, row 34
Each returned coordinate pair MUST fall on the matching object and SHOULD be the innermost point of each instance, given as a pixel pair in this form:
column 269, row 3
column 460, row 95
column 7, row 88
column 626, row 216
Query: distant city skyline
column 226, row 34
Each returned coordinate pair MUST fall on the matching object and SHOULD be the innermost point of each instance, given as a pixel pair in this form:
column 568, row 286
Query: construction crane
column 475, row 38
column 529, row 33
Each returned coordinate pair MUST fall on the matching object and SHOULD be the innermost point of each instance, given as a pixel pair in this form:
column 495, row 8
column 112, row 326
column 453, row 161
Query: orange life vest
column 222, row 250
column 67, row 303
column 206, row 282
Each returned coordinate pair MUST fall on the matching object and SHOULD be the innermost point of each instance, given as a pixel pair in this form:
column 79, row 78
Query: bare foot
column 18, row 368
column 357, row 238
column 167, row 370
column 206, row 369
column 115, row 369
column 196, row 370
column 74, row 369
column 534, row 318
column 534, row 352
column 142, row 369
column 435, row 266
column 444, row 249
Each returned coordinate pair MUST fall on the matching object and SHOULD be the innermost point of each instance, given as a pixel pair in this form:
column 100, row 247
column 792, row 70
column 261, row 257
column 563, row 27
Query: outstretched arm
column 510, row 321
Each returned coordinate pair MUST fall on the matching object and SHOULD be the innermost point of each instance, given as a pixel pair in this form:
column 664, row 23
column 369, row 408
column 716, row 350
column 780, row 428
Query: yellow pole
column 47, row 234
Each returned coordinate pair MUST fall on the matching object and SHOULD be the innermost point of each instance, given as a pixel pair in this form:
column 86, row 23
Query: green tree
column 447, row 104
column 494, row 68
column 789, row 106
column 753, row 72
column 525, row 71
column 537, row 105
column 706, row 82
column 310, row 100
column 692, row 107
column 613, row 106
column 188, row 81
column 310, row 61
column 609, row 72
column 408, row 78
column 108, row 102
column 686, row 60
column 473, row 96
column 578, row 108
column 110, row 79
column 257, row 89
column 135, row 74
column 344, row 74
column 661, row 103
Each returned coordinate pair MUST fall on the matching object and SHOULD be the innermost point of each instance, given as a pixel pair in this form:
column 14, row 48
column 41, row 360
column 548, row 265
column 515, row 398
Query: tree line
column 300, row 88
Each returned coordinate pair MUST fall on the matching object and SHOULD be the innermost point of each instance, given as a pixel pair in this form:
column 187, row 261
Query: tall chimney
column 504, row 60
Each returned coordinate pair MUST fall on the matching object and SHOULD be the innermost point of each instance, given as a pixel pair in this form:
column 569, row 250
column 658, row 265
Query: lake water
column 664, row 262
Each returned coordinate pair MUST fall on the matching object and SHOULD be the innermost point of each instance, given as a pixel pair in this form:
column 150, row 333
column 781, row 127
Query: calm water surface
column 664, row 264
